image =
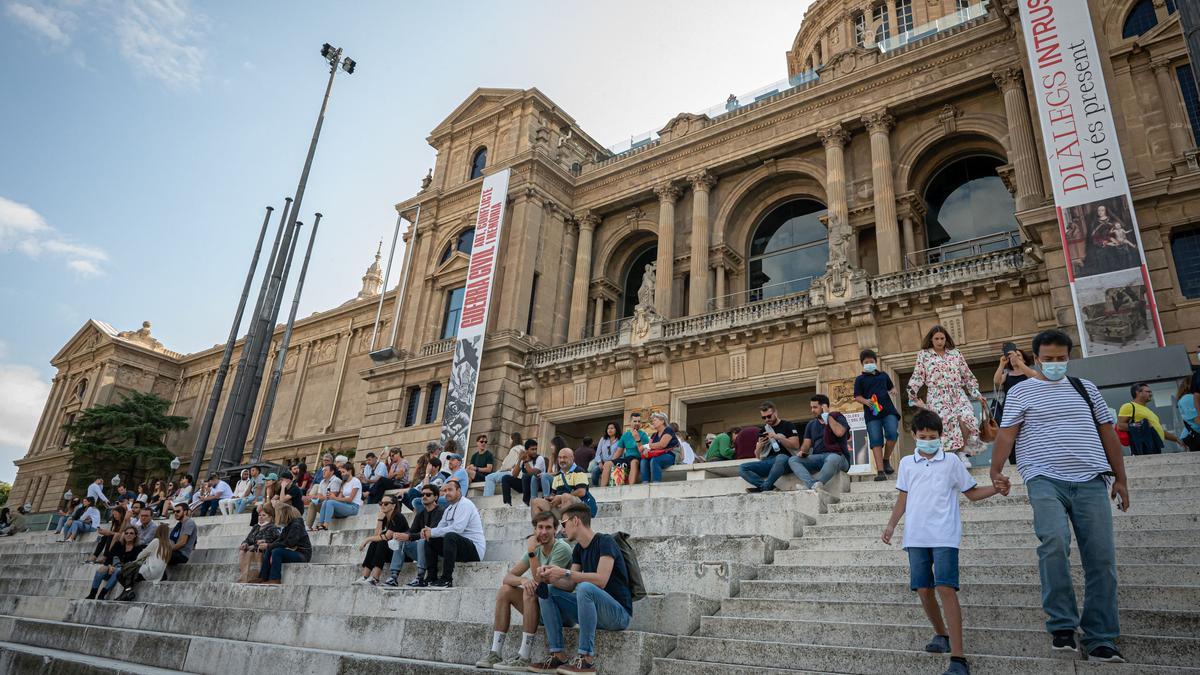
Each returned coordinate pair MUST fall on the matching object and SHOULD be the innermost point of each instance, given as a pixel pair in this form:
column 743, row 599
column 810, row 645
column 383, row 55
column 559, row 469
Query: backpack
column 633, row 571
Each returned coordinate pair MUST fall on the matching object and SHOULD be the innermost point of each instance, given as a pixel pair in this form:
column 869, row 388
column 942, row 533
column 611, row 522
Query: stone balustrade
column 575, row 350
column 734, row 317
column 936, row 275
column 439, row 347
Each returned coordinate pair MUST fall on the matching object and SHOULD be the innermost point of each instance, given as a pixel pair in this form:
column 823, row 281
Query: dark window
column 81, row 389
column 1191, row 101
column 532, row 304
column 1185, row 248
column 1141, row 19
column 904, row 16
column 454, row 304
column 414, row 404
column 789, row 248
column 477, row 163
column 464, row 242
column 879, row 16
column 1170, row 6
column 967, row 200
column 633, row 280
column 860, row 29
column 432, row 401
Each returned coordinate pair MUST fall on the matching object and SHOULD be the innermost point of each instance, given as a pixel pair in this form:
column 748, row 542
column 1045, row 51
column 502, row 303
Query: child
column 928, row 499
column 873, row 388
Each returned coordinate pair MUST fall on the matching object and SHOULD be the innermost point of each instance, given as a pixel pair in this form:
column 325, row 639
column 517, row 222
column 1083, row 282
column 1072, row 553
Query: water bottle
column 774, row 443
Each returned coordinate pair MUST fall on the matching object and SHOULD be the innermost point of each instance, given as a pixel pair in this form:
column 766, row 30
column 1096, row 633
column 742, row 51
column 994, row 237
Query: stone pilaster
column 1021, row 147
column 887, row 231
column 583, row 269
column 1172, row 107
column 668, row 194
column 566, row 270
column 702, row 184
column 834, row 139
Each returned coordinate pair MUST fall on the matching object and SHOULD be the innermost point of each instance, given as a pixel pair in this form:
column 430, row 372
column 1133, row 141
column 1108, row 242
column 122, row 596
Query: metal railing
column 606, row 328
column 962, row 249
column 918, row 33
column 764, row 292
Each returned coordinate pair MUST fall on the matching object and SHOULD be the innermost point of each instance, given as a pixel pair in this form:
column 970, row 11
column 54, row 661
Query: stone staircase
column 741, row 583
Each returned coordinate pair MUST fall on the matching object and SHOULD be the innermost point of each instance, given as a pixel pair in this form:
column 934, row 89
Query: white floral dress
column 946, row 377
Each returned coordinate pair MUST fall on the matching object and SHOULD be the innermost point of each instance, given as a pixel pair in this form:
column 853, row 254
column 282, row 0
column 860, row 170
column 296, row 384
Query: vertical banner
column 468, row 349
column 1114, row 302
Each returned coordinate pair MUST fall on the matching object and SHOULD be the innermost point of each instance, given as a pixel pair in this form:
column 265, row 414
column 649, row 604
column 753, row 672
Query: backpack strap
column 1078, row 384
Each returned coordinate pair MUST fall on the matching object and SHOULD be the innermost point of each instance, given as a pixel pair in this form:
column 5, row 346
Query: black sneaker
column 442, row 583
column 550, row 664
column 417, row 582
column 887, row 467
column 391, row 582
column 940, row 644
column 881, row 476
column 1064, row 641
column 1105, row 654
column 753, row 490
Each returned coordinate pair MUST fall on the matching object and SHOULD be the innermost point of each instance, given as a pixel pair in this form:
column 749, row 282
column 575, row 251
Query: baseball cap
column 272, row 476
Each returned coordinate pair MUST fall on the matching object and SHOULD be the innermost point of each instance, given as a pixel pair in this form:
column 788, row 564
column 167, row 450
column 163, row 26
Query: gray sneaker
column 957, row 668
column 516, row 664
column 940, row 644
column 489, row 660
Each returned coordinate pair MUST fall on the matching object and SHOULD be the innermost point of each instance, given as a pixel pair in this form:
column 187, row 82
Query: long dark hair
column 927, row 343
column 616, row 427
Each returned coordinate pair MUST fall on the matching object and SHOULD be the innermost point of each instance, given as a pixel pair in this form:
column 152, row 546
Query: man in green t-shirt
column 520, row 592
column 631, row 442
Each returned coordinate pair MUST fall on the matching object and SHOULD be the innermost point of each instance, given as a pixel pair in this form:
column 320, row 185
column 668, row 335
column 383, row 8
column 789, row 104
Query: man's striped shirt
column 1058, row 436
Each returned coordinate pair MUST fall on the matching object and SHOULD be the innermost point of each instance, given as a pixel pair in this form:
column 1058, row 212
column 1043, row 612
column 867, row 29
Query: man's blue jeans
column 331, row 509
column 100, row 577
column 79, row 527
column 273, row 560
column 492, row 482
column 210, row 508
column 409, row 550
column 763, row 473
column 652, row 468
column 589, row 606
column 1057, row 507
column 826, row 464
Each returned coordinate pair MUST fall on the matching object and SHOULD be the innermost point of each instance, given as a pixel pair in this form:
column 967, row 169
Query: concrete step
column 1179, row 464
column 1178, row 623
column 871, row 502
column 753, row 655
column 1006, row 642
column 671, row 666
column 969, row 573
column 1001, row 513
column 1017, row 522
column 1167, row 555
column 1139, row 485
column 1156, row 597
column 23, row 659
column 973, row 541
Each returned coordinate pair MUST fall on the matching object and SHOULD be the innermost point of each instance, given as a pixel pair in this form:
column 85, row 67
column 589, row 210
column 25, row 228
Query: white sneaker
column 360, row 580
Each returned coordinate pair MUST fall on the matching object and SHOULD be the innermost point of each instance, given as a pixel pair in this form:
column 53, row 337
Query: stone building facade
column 895, row 180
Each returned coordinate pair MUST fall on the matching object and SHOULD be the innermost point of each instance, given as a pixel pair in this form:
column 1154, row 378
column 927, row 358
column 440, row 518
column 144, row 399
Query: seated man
column 374, row 478
column 330, row 482
column 408, row 545
column 146, row 526
column 217, row 491
column 568, row 486
column 630, row 454
column 457, row 471
column 183, row 537
column 777, row 440
column 16, row 521
column 458, row 536
column 436, row 477
column 525, row 474
column 482, row 460
column 594, row 593
column 815, row 455
column 520, row 593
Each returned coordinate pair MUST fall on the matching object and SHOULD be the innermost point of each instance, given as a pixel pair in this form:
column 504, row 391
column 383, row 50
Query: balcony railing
column 936, row 275
column 576, row 350
column 764, row 292
column 959, row 17
column 606, row 328
column 967, row 248
column 439, row 347
column 743, row 315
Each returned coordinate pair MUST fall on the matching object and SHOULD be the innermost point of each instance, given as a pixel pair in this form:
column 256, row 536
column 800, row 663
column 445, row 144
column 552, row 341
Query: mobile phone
column 1009, row 347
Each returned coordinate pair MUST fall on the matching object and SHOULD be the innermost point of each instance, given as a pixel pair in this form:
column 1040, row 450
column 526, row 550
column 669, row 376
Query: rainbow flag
column 875, row 407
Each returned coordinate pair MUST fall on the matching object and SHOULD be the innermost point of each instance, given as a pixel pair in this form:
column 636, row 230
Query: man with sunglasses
column 777, row 440
column 458, row 536
column 183, row 536
column 410, row 546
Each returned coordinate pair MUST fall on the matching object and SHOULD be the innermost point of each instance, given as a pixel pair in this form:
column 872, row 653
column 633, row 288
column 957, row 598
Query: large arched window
column 478, row 161
column 1141, row 19
column 465, row 242
column 968, row 200
column 633, row 279
column 789, row 248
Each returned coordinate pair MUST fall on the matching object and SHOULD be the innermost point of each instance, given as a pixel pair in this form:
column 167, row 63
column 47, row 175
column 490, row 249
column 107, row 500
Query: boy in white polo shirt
column 929, row 486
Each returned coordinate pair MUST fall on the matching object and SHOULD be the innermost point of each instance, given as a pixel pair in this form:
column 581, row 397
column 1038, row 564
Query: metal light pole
column 390, row 351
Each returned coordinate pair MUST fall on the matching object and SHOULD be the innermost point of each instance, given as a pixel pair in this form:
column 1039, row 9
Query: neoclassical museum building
column 894, row 180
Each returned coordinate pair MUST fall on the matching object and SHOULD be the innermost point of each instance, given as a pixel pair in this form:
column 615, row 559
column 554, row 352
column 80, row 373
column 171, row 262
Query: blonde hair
column 284, row 514
column 163, row 536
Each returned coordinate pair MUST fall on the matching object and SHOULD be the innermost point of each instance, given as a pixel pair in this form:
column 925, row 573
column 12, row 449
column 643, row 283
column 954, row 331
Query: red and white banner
column 468, row 350
column 1114, row 302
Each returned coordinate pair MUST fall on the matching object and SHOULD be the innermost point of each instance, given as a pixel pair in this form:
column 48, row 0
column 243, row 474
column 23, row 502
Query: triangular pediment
column 86, row 340
column 457, row 262
column 479, row 102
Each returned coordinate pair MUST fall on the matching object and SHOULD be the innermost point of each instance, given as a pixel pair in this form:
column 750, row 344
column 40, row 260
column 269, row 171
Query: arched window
column 465, row 242
column 633, row 279
column 478, row 161
column 789, row 248
column 1141, row 19
column 860, row 29
column 454, row 305
column 967, row 200
column 883, row 28
column 1185, row 248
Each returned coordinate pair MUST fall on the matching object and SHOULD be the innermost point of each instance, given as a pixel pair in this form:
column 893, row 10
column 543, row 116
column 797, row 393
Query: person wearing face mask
column 929, row 484
column 873, row 388
column 1070, row 458
column 950, row 385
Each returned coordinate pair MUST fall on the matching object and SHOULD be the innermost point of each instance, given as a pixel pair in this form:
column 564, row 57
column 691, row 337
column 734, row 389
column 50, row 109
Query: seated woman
column 65, row 516
column 343, row 503
column 150, row 564
column 262, row 533
column 379, row 554
column 292, row 546
column 122, row 552
column 198, row 498
column 253, row 494
column 106, row 536
column 239, row 492
column 157, row 496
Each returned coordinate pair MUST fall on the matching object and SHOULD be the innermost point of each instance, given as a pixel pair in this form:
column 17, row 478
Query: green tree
column 5, row 488
column 125, row 438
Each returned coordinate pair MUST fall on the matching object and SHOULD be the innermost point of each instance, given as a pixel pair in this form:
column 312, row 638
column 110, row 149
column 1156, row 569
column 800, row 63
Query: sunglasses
column 428, row 494
column 767, row 417
column 386, row 503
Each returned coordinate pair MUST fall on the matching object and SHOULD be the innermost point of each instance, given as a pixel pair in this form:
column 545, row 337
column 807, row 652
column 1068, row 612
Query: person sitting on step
column 183, row 536
column 374, row 474
column 458, row 536
column 408, row 546
column 150, row 564
column 658, row 452
column 72, row 512
column 16, row 521
column 506, row 467
column 436, row 477
column 88, row 521
column 630, row 456
column 520, row 593
column 218, row 491
column 341, row 504
column 252, row 548
column 825, row 460
column 778, row 439
column 525, row 474
column 122, row 552
column 569, row 485
column 329, row 483
column 106, row 535
column 292, row 545
column 145, row 526
column 240, row 491
column 379, row 554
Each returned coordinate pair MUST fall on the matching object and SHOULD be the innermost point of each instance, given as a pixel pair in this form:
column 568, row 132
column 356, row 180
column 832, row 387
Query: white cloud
column 23, row 392
column 24, row 230
column 53, row 24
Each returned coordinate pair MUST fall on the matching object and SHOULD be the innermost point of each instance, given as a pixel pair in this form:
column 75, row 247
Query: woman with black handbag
column 1013, row 370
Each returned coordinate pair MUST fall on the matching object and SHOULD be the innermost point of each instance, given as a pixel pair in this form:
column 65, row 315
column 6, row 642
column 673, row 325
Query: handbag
column 1123, row 434
column 988, row 426
column 250, row 565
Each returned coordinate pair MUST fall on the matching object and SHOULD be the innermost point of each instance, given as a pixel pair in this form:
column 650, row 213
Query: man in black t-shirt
column 817, row 462
column 777, row 440
column 594, row 593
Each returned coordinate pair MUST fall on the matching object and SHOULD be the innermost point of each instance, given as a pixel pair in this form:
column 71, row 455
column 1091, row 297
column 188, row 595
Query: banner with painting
column 1106, row 266
column 472, row 323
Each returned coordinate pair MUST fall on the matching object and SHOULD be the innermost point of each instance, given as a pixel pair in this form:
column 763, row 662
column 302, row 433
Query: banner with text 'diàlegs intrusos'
column 1114, row 302
column 472, row 323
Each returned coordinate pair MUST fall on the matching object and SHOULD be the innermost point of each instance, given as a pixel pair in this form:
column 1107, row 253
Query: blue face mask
column 929, row 446
column 870, row 368
column 825, row 417
column 1055, row 370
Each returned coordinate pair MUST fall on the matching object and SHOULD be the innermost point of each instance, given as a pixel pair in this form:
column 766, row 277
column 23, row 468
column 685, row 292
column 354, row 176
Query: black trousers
column 510, row 483
column 375, row 494
column 451, row 548
column 102, row 545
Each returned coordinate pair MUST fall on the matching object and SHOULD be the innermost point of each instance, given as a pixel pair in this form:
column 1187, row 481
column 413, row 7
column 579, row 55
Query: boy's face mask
column 929, row 446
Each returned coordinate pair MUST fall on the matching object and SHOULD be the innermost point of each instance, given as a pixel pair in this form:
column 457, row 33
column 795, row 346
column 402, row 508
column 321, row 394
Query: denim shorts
column 883, row 427
column 929, row 567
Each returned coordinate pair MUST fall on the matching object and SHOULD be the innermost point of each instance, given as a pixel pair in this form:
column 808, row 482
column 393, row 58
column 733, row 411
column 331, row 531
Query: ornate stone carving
column 1007, row 78
column 646, row 290
column 668, row 192
column 427, row 180
column 1008, row 175
column 581, row 384
column 635, row 214
column 948, row 116
column 681, row 125
column 737, row 365
column 702, row 181
column 1159, row 64
column 879, row 121
column 835, row 136
column 951, row 319
column 325, row 351
column 587, row 220
column 141, row 336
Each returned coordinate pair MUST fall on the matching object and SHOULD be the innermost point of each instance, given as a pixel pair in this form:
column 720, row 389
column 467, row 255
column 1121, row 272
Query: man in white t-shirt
column 1071, row 461
column 217, row 490
column 96, row 492
column 510, row 460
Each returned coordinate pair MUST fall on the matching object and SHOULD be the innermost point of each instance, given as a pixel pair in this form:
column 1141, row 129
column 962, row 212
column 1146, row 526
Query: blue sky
column 141, row 139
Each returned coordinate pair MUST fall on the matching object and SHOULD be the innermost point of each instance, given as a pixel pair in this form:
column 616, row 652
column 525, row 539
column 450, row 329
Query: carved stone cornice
column 668, row 192
column 603, row 288
column 1007, row 78
column 723, row 256
column 834, row 136
column 910, row 205
column 879, row 121
column 587, row 220
column 1008, row 174
column 702, row 181
column 1157, row 64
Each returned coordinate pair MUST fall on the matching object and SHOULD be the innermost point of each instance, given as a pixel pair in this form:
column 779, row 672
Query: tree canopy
column 126, row 438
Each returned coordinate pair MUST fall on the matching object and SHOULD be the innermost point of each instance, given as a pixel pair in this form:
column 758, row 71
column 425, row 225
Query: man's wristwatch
column 567, row 575
column 533, row 554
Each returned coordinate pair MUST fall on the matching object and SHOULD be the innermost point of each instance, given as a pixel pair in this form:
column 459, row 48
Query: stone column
column 702, row 184
column 887, row 232
column 668, row 194
column 909, row 237
column 1171, row 105
column 1020, row 138
column 598, row 317
column 834, row 139
column 563, row 290
column 720, row 290
column 583, row 270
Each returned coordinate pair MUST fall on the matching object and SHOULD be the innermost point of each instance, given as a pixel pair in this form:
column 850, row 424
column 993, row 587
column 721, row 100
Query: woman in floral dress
column 945, row 374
